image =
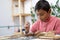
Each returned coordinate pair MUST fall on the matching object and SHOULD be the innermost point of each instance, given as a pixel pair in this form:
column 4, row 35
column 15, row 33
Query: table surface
column 28, row 38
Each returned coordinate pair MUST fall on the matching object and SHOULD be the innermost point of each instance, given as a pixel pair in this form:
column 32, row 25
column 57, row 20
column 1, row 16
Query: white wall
column 5, row 13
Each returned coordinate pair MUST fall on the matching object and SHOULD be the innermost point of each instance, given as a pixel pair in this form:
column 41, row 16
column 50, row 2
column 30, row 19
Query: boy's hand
column 38, row 33
column 29, row 34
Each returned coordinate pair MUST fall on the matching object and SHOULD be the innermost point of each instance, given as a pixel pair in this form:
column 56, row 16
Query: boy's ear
column 49, row 11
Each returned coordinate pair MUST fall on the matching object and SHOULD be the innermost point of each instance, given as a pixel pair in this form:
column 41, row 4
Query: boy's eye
column 40, row 14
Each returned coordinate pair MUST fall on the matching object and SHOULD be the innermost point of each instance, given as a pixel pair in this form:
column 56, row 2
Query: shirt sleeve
column 57, row 27
column 34, row 27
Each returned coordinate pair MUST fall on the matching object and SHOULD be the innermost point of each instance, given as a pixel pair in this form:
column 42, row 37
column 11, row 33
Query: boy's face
column 42, row 14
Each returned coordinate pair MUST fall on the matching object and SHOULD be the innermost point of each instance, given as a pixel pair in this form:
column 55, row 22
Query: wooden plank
column 25, row 14
column 23, row 0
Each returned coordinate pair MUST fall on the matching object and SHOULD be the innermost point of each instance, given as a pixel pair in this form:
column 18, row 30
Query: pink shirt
column 52, row 25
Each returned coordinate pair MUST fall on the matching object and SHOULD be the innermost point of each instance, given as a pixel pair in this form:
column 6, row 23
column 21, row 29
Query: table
column 27, row 38
column 57, row 37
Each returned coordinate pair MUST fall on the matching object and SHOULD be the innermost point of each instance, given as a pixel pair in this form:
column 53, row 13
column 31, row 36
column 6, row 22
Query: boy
column 46, row 22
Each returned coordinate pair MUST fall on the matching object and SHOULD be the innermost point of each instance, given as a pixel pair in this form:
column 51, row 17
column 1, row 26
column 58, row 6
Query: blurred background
column 14, row 13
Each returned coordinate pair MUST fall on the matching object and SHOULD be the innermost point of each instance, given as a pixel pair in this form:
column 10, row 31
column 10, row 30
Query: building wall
column 5, row 18
column 5, row 13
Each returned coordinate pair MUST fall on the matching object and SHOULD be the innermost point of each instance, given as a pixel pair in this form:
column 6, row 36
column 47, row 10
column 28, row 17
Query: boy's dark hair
column 42, row 4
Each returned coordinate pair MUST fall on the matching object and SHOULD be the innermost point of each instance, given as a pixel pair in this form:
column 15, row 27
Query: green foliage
column 33, row 15
column 56, row 9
